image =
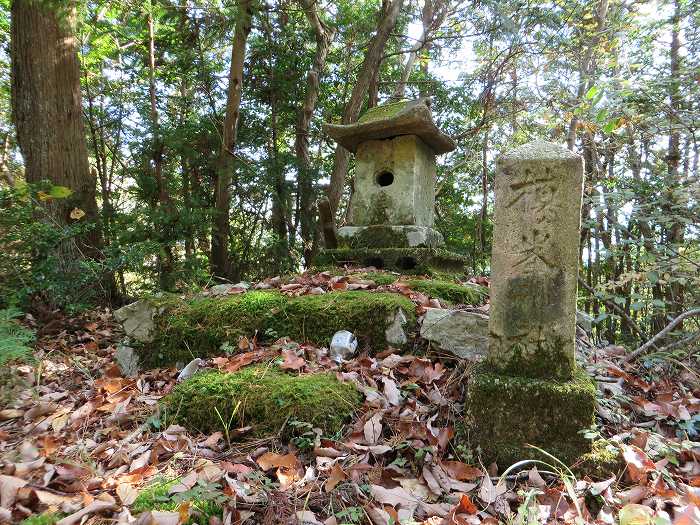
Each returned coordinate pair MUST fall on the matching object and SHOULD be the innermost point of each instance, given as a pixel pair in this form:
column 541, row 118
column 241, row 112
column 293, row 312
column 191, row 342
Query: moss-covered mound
column 419, row 261
column 451, row 292
column 507, row 413
column 198, row 327
column 261, row 396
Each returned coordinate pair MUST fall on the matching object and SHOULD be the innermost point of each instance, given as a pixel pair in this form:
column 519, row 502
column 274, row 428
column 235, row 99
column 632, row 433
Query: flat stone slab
column 461, row 333
column 411, row 117
column 390, row 237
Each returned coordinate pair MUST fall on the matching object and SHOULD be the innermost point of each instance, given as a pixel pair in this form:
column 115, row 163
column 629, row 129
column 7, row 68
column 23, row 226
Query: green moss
column 416, row 261
column 384, row 111
column 199, row 327
column 450, row 292
column 601, row 462
column 507, row 413
column 265, row 396
column 550, row 358
column 46, row 518
column 377, row 236
column 380, row 278
column 156, row 497
column 316, row 318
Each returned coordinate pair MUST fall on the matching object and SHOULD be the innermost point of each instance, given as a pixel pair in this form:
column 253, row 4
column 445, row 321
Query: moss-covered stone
column 261, row 396
column 451, row 292
column 377, row 236
column 418, row 261
column 507, row 413
column 604, row 460
column 384, row 111
column 197, row 328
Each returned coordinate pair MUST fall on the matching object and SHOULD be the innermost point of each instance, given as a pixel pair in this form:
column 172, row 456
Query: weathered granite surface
column 461, row 333
column 137, row 320
column 394, row 183
column 534, row 262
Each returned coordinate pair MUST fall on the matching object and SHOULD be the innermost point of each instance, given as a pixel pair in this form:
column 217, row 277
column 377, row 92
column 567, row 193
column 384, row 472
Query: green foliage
column 262, row 396
column 206, row 499
column 15, row 339
column 46, row 518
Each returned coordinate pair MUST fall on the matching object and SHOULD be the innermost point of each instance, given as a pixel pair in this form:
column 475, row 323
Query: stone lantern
column 393, row 203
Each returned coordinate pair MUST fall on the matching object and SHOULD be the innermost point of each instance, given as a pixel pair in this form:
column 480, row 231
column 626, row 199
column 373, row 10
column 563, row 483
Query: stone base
column 417, row 261
column 506, row 413
column 381, row 236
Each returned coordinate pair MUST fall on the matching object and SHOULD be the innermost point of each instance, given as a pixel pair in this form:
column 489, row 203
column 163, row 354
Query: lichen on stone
column 262, row 396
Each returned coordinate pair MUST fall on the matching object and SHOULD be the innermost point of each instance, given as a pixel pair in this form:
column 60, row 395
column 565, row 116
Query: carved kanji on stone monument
column 535, row 260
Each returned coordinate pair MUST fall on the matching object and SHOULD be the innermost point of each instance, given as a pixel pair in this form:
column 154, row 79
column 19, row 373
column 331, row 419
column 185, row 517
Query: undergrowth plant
column 15, row 341
column 14, row 338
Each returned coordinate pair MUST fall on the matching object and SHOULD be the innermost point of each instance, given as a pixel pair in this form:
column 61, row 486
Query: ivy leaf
column 60, row 192
column 592, row 92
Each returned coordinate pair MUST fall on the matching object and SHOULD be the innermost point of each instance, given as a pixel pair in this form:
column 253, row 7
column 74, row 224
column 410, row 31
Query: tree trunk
column 221, row 229
column 166, row 259
column 305, row 189
column 370, row 64
column 47, row 112
column 676, row 230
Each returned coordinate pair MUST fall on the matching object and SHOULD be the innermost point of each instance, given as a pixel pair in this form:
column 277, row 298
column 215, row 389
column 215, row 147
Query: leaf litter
column 82, row 441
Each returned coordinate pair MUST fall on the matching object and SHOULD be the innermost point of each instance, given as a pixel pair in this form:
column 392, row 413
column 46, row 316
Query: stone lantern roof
column 408, row 117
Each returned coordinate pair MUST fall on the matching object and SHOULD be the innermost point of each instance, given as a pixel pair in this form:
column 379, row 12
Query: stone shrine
column 530, row 391
column 393, row 203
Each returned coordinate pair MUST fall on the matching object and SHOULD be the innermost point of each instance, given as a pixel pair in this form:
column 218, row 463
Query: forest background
column 171, row 144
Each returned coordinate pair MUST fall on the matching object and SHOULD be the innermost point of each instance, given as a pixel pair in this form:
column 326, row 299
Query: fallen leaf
column 638, row 463
column 127, row 493
column 488, row 492
column 392, row 392
column 270, row 460
column 373, row 428
column 461, row 471
column 306, row 517
column 337, row 475
column 97, row 505
column 9, row 487
column 292, row 361
column 634, row 514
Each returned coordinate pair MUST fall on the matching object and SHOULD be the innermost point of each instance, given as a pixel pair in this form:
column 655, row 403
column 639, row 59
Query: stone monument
column 530, row 391
column 393, row 203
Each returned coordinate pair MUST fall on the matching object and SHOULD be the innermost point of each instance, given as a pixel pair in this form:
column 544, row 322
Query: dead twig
column 646, row 346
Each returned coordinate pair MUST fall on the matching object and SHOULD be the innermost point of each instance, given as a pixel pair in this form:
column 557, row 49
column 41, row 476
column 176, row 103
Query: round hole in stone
column 406, row 263
column 377, row 262
column 385, row 178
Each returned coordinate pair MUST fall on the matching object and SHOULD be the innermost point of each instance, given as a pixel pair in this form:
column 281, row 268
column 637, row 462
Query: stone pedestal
column 530, row 391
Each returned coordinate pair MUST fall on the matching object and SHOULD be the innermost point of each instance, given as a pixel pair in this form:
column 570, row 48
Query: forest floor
column 80, row 443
